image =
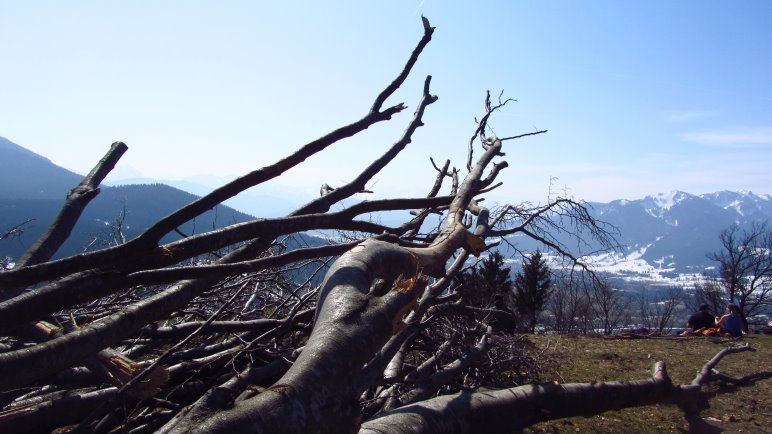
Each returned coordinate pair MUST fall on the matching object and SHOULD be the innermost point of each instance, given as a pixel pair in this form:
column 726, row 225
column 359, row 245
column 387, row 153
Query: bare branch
column 77, row 199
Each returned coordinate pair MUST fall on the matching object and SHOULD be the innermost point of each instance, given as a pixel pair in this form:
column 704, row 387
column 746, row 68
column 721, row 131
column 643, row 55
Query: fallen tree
column 133, row 338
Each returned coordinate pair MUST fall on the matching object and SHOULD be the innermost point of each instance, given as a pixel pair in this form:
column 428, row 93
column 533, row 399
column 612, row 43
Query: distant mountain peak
column 668, row 200
column 25, row 174
column 744, row 202
column 8, row 145
column 659, row 204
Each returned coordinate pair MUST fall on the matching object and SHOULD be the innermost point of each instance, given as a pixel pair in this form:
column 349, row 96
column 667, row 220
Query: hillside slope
column 33, row 189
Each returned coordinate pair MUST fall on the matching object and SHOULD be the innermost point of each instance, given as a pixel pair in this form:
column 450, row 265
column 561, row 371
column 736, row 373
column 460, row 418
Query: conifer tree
column 490, row 286
column 532, row 289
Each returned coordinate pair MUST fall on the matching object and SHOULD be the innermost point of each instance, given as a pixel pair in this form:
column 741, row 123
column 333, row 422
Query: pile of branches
column 366, row 332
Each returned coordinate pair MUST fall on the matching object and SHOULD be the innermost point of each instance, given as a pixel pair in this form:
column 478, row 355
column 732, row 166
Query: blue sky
column 639, row 97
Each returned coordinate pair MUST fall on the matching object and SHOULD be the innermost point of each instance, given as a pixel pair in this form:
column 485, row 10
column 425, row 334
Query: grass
column 746, row 409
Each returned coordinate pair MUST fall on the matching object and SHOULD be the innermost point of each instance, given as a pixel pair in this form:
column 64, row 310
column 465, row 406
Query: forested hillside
column 33, row 189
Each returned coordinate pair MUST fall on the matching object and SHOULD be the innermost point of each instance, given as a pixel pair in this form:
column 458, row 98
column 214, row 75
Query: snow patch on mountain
column 661, row 262
column 632, row 262
column 632, row 268
column 736, row 205
column 667, row 200
column 658, row 204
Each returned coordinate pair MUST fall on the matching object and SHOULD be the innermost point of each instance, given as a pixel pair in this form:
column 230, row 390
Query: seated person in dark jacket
column 701, row 319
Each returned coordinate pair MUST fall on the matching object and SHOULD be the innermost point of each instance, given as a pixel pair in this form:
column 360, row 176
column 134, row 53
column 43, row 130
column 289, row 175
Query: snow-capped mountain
column 667, row 236
column 745, row 203
column 670, row 234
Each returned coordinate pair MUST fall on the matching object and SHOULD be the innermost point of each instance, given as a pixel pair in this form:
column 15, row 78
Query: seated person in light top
column 732, row 321
column 701, row 319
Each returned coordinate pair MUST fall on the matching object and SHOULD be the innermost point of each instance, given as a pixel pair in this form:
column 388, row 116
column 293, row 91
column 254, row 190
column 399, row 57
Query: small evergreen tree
column 532, row 287
column 489, row 285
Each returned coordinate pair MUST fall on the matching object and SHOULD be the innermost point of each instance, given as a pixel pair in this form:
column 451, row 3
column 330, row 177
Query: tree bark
column 507, row 410
column 77, row 199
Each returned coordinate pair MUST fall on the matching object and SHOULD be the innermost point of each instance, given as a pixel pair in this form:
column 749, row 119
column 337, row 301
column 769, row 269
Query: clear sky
column 639, row 97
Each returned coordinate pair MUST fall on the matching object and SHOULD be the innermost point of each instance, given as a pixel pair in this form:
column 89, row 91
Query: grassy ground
column 725, row 409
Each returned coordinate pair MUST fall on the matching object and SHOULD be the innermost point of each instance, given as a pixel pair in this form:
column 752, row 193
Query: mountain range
column 33, row 189
column 664, row 237
column 675, row 231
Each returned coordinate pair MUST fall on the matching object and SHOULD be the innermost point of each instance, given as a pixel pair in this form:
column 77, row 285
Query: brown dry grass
column 723, row 409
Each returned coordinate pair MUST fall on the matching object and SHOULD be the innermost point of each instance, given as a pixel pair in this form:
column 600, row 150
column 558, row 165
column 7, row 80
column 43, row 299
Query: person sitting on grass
column 700, row 320
column 732, row 322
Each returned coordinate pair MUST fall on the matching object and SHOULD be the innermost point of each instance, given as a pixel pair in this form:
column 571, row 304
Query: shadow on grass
column 698, row 425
